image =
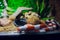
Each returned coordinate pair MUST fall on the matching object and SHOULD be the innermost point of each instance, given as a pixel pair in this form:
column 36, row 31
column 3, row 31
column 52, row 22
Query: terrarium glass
column 41, row 12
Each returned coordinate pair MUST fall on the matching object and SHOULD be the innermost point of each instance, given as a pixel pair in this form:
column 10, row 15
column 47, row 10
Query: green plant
column 44, row 8
column 40, row 6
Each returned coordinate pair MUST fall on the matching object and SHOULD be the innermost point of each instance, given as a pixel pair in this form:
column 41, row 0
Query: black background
column 32, row 37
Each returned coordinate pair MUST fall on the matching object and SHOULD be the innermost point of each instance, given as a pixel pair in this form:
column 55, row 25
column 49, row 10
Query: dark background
column 56, row 3
column 32, row 37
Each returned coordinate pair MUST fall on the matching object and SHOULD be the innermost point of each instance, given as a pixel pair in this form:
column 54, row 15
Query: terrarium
column 27, row 17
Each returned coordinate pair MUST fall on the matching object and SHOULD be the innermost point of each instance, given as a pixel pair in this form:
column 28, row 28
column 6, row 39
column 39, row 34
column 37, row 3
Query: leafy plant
column 44, row 8
column 40, row 6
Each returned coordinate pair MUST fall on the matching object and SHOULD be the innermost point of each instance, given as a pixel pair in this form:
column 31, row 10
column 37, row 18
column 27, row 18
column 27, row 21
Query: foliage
column 38, row 6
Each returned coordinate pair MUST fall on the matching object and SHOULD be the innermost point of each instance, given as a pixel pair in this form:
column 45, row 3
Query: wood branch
column 18, row 11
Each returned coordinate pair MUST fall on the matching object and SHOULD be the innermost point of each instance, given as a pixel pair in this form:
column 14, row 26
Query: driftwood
column 7, row 23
